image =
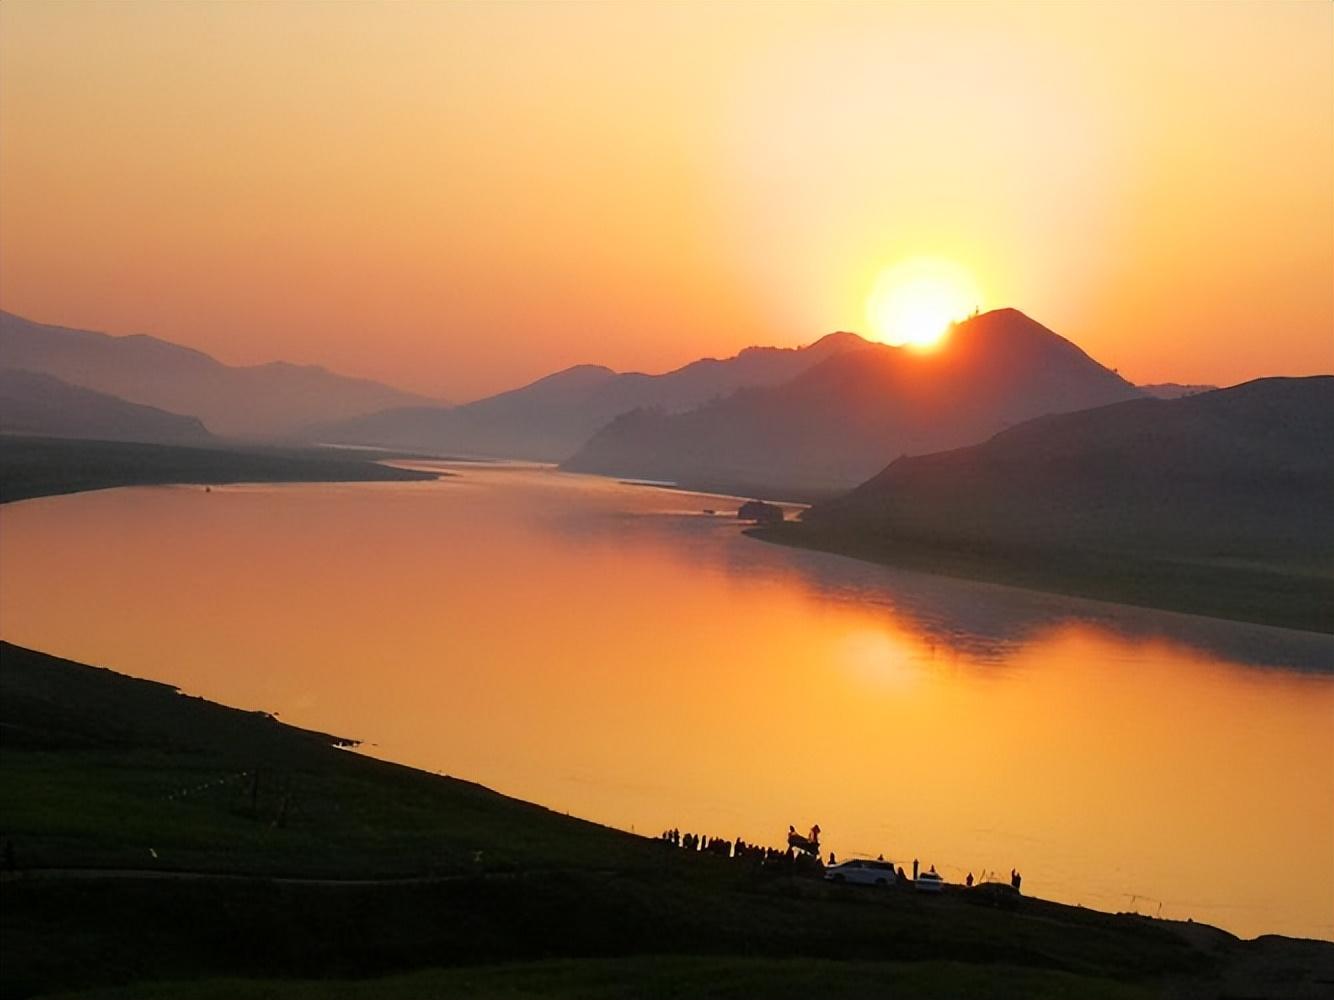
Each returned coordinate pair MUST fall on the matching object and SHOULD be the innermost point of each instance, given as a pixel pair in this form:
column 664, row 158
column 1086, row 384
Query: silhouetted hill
column 33, row 403
column 839, row 422
column 548, row 420
column 261, row 400
column 1218, row 503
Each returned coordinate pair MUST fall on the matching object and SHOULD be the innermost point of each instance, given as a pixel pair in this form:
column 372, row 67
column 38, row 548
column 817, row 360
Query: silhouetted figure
column 880, row 857
column 902, row 877
column 1017, row 881
column 832, row 860
column 969, row 880
column 809, row 844
column 914, row 869
column 933, row 869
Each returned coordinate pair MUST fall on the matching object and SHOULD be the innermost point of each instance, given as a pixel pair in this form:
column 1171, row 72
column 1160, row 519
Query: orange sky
column 460, row 197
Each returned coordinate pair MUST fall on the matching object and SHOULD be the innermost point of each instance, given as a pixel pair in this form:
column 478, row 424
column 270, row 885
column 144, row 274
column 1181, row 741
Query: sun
column 915, row 301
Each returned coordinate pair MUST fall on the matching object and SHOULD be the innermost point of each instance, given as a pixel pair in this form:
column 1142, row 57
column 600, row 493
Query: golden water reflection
column 612, row 651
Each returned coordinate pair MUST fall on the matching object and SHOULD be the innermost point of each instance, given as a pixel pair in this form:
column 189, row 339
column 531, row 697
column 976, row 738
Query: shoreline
column 1247, row 595
column 91, row 753
column 45, row 467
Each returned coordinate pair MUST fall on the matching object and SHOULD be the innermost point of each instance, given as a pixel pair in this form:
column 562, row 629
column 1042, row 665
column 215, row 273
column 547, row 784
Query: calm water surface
column 613, row 651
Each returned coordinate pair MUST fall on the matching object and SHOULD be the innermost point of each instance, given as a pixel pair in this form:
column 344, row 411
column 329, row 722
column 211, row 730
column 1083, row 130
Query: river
column 613, row 651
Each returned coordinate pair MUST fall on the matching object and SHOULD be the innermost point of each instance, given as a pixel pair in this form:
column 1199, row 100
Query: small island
column 760, row 512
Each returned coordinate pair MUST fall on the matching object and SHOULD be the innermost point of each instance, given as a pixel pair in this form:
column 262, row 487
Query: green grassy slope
column 672, row 978
column 340, row 866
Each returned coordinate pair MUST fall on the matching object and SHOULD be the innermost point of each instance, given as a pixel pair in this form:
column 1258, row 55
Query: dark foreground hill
column 152, row 836
column 842, row 420
column 37, row 404
column 252, row 400
column 36, row 467
column 1218, row 503
column 548, row 420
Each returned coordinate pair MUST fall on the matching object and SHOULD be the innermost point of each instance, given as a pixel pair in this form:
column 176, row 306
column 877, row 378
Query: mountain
column 840, row 421
column 1174, row 390
column 1218, row 503
column 256, row 400
column 37, row 404
column 548, row 420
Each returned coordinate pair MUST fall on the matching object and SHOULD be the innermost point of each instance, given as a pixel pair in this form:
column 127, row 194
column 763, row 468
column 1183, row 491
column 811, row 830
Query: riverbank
column 202, row 811
column 1254, row 593
column 38, row 467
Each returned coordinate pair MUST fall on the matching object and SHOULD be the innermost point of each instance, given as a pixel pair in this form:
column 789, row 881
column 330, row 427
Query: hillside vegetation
column 160, row 837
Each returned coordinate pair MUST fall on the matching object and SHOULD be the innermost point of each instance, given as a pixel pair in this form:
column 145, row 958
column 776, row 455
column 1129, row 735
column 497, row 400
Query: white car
column 929, row 882
column 862, row 872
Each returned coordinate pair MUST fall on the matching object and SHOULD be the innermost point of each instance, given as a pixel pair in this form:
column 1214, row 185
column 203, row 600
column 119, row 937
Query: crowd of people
column 792, row 860
column 739, row 850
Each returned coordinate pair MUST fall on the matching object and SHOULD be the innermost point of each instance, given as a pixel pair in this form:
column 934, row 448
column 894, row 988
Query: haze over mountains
column 841, row 421
column 1022, row 443
column 550, row 419
column 39, row 404
column 813, row 420
column 258, row 400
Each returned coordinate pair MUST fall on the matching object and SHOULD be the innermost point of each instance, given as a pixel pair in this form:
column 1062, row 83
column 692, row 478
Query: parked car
column 929, row 882
column 862, row 872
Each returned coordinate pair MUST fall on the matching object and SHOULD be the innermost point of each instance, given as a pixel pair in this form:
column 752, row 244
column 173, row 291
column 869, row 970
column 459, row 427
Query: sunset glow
column 667, row 498
column 514, row 188
column 914, row 303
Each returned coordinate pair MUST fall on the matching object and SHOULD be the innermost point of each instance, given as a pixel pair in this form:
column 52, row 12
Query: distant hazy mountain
column 33, row 403
column 261, row 400
column 548, row 420
column 1174, row 390
column 836, row 424
column 1238, row 470
column 1220, row 503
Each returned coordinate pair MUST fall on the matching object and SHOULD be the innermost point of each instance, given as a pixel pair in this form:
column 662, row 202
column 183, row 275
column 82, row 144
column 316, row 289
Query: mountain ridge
column 1215, row 503
column 34, row 403
column 840, row 421
column 269, row 399
column 549, row 418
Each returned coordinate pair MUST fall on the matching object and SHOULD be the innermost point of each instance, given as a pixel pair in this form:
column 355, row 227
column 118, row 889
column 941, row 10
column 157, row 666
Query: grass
column 669, row 978
column 101, row 771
